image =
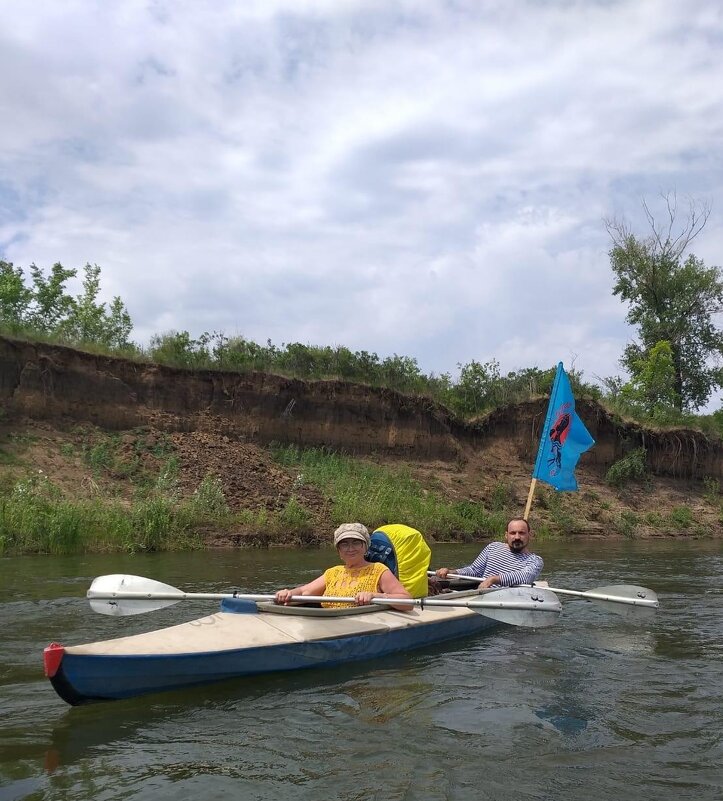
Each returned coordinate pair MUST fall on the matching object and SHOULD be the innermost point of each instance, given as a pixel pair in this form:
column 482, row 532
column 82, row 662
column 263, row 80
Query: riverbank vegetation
column 128, row 495
column 131, row 492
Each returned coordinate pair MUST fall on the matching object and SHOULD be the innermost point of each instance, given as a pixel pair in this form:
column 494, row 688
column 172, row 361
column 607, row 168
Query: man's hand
column 488, row 582
column 442, row 572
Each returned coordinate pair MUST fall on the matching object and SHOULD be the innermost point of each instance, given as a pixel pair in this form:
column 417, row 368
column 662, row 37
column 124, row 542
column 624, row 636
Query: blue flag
column 563, row 440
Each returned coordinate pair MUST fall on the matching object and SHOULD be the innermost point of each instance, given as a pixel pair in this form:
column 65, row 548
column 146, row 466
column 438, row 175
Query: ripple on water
column 593, row 708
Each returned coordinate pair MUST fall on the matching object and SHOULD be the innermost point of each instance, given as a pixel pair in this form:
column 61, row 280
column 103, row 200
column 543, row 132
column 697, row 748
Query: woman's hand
column 283, row 596
column 365, row 598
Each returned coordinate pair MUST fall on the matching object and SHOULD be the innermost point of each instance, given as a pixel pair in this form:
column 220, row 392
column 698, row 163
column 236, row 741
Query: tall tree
column 673, row 298
column 15, row 297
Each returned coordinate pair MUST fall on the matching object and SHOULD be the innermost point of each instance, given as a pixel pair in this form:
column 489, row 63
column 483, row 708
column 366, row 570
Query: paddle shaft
column 588, row 595
column 214, row 596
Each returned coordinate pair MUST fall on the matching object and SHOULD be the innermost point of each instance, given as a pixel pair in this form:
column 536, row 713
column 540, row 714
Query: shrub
column 712, row 490
column 631, row 468
column 503, row 496
column 626, row 524
column 681, row 517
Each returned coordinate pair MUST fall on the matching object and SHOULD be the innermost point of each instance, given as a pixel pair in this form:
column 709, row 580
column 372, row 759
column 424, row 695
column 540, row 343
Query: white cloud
column 426, row 179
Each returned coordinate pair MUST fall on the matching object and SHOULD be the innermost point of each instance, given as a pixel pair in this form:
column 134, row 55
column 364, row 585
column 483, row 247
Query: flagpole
column 540, row 448
column 530, row 496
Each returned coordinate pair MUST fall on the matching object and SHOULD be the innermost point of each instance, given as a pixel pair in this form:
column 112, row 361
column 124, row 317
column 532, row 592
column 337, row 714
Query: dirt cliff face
column 52, row 383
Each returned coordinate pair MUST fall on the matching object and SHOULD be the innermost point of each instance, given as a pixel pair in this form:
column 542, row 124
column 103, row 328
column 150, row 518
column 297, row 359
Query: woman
column 356, row 577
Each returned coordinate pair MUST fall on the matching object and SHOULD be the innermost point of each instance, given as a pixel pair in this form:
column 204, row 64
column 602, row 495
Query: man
column 504, row 564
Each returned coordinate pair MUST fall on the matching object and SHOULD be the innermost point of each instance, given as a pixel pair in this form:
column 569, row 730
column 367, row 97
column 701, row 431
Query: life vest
column 403, row 550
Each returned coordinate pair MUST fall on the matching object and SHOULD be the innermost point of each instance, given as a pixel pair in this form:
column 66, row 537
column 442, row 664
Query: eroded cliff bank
column 58, row 402
column 60, row 384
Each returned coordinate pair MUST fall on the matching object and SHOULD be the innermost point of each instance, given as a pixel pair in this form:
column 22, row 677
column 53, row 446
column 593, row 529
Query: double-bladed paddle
column 122, row 595
column 623, row 599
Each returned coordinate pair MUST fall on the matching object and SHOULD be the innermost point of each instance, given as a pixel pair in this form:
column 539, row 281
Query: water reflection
column 595, row 707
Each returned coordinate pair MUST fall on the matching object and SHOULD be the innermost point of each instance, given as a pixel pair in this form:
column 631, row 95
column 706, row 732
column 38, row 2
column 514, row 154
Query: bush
column 626, row 524
column 681, row 517
column 631, row 468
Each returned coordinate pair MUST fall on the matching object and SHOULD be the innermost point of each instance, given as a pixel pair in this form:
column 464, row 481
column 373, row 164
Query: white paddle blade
column 628, row 600
column 520, row 606
column 102, row 589
column 124, row 607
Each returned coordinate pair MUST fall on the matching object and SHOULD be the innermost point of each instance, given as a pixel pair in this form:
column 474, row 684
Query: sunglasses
column 350, row 544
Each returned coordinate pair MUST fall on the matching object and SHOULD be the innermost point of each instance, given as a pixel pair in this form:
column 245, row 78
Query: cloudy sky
column 424, row 178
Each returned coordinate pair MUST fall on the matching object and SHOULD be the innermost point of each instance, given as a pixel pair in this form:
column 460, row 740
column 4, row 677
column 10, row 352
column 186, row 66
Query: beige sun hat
column 351, row 531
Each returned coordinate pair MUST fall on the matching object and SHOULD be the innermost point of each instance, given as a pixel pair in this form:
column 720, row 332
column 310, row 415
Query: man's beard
column 517, row 545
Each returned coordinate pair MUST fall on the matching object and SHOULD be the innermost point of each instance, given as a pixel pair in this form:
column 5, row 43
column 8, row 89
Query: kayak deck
column 273, row 625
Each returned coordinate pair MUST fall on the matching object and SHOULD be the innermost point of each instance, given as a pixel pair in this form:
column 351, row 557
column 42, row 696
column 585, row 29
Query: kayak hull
column 231, row 645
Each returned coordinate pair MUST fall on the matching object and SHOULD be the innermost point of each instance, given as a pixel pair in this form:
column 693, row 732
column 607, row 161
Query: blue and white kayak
column 246, row 638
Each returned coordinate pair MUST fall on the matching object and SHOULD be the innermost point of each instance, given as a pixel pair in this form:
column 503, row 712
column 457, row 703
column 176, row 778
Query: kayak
column 246, row 638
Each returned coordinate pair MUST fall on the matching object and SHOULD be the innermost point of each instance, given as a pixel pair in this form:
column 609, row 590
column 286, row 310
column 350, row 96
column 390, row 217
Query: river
column 595, row 707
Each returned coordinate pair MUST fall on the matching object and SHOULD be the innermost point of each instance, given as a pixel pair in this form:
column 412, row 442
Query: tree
column 51, row 304
column 672, row 299
column 652, row 386
column 15, row 297
column 90, row 321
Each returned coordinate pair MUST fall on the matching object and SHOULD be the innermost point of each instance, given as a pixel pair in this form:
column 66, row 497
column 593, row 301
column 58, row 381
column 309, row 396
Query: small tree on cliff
column 672, row 299
column 47, row 308
column 90, row 321
column 15, row 297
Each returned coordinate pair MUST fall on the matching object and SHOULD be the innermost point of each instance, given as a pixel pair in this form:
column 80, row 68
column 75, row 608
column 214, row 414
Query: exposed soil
column 252, row 480
column 64, row 410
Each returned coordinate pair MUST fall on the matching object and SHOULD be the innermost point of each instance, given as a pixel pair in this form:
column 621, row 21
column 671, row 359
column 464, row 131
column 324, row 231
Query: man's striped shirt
column 498, row 560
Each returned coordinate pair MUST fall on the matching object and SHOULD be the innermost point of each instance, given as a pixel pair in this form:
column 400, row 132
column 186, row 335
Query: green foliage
column 652, row 387
column 560, row 509
column 712, row 490
column 15, row 297
column 629, row 469
column 99, row 457
column 502, row 497
column 359, row 490
column 681, row 517
column 673, row 300
column 209, row 499
column 45, row 308
column 295, row 517
column 626, row 524
column 35, row 517
column 52, row 308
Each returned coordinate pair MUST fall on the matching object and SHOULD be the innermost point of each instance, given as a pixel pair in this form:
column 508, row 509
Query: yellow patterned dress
column 342, row 581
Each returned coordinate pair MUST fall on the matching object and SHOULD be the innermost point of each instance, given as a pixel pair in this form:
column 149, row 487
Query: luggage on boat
column 403, row 550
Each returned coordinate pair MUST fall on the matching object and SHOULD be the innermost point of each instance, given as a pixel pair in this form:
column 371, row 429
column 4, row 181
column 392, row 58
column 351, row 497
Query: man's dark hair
column 516, row 519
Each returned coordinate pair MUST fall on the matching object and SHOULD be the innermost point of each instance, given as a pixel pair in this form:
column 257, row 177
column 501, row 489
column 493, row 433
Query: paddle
column 623, row 599
column 122, row 595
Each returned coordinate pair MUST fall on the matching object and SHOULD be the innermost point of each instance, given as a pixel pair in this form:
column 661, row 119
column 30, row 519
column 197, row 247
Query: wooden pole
column 530, row 496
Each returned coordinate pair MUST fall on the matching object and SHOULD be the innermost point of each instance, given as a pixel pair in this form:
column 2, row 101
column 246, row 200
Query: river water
column 596, row 707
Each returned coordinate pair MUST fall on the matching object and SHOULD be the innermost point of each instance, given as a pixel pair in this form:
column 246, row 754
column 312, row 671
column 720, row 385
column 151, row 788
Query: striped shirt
column 498, row 560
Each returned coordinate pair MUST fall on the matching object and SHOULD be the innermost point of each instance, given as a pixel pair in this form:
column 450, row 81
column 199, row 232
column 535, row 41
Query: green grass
column 35, row 517
column 681, row 518
column 359, row 490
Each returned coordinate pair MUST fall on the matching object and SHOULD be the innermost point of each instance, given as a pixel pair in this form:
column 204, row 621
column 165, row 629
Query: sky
column 428, row 179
